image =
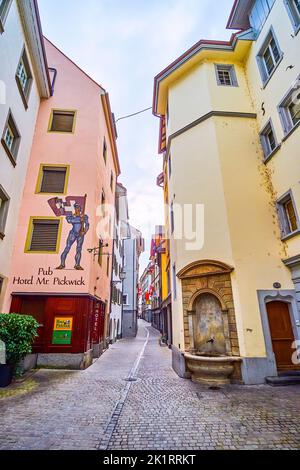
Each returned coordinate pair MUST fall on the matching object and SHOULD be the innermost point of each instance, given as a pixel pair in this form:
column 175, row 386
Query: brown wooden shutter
column 53, row 180
column 62, row 121
column 44, row 235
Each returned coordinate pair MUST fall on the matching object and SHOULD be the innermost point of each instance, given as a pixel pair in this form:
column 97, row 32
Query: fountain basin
column 209, row 369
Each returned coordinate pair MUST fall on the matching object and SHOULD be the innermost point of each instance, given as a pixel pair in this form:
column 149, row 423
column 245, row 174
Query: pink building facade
column 61, row 270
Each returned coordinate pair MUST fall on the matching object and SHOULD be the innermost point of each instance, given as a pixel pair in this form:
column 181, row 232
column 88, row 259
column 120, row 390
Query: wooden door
column 282, row 334
column 35, row 306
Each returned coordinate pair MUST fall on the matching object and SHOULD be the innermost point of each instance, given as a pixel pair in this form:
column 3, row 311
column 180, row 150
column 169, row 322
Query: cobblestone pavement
column 98, row 409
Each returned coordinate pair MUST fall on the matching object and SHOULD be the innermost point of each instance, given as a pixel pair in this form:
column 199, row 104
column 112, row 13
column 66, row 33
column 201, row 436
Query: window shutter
column 44, row 235
column 53, row 180
column 62, row 121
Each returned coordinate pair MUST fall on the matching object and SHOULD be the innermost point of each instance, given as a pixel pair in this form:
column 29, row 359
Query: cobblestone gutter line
column 114, row 418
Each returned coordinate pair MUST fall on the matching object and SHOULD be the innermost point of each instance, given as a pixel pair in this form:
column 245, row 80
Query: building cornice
column 111, row 130
column 31, row 22
column 292, row 262
column 234, row 49
column 239, row 16
column 205, row 117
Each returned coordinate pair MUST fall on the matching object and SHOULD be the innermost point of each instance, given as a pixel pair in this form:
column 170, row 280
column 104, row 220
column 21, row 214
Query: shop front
column 71, row 328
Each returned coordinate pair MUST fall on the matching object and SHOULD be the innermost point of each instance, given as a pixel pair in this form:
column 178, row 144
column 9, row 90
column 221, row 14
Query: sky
column 123, row 44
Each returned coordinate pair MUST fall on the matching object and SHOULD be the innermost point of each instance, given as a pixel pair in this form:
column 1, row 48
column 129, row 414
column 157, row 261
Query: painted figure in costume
column 80, row 227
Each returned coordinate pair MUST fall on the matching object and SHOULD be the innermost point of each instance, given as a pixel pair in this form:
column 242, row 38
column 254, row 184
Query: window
column 104, row 150
column 294, row 110
column 43, row 235
column 24, row 78
column 107, row 266
column 4, row 204
column 269, row 57
column 4, row 9
column 289, row 108
column 170, row 166
column 103, row 200
column 260, row 13
column 268, row 140
column 174, row 283
column 53, row 179
column 125, row 299
column 226, row 75
column 293, row 8
column 1, row 283
column 172, row 218
column 62, row 121
column 11, row 139
column 288, row 215
column 100, row 253
column 112, row 181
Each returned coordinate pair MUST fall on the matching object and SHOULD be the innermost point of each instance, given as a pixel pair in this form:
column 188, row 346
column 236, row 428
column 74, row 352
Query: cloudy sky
column 123, row 44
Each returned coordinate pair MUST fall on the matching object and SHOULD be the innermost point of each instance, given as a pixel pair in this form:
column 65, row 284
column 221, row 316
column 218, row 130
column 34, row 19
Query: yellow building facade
column 231, row 150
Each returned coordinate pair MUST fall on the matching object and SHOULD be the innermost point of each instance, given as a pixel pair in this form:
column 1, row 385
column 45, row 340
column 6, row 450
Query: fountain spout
column 211, row 341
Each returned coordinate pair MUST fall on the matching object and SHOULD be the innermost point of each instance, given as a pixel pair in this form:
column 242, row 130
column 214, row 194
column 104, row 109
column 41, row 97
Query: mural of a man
column 80, row 226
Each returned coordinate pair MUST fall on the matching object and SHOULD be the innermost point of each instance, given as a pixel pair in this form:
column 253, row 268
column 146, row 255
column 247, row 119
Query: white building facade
column 24, row 81
column 120, row 233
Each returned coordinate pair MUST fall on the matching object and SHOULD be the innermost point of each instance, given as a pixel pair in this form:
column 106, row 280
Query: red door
column 282, row 334
column 35, row 306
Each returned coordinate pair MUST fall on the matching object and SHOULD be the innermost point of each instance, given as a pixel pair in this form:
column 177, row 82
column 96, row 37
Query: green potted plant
column 18, row 333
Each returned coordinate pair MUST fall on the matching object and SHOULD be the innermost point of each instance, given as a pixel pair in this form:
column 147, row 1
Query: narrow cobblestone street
column 99, row 409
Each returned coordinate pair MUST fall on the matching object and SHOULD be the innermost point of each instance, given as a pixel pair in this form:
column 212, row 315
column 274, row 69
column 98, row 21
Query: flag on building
column 63, row 207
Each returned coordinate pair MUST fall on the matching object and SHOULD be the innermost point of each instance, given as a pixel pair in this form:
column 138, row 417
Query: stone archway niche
column 211, row 342
column 208, row 328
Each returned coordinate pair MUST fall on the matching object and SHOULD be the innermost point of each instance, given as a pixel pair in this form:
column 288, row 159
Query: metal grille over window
column 53, row 180
column 44, row 235
column 62, row 121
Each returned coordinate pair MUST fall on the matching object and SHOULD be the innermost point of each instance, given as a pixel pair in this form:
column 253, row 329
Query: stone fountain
column 209, row 359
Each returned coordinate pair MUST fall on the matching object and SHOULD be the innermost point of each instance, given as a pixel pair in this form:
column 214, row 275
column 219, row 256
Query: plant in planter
column 18, row 333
